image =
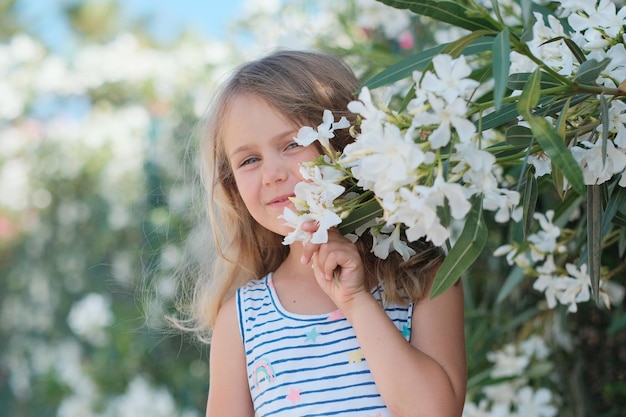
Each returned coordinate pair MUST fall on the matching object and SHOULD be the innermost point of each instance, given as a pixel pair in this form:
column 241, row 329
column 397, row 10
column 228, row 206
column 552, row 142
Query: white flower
column 141, row 399
column 548, row 283
column 372, row 115
column 296, row 221
column 542, row 164
column 503, row 393
column 535, row 403
column 450, row 80
column 556, row 54
column 383, row 243
column 419, row 215
column 597, row 166
column 446, row 115
column 576, row 287
column 545, row 240
column 536, row 347
column 315, row 196
column 325, row 131
column 471, row 409
column 572, row 6
column 617, row 121
column 90, row 317
column 507, row 362
column 387, row 160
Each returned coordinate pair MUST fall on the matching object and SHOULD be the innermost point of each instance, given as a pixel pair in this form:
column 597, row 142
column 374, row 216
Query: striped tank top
column 307, row 365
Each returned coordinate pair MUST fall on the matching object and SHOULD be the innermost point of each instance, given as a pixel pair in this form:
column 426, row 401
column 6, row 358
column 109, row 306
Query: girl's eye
column 292, row 145
column 248, row 161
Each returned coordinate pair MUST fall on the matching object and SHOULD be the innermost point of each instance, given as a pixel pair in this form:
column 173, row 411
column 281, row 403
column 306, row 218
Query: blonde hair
column 300, row 85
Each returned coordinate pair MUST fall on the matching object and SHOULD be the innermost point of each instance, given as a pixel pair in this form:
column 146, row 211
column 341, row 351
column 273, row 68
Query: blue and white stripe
column 301, row 365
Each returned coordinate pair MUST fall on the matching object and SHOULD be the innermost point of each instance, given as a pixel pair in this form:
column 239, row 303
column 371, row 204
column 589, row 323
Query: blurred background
column 98, row 104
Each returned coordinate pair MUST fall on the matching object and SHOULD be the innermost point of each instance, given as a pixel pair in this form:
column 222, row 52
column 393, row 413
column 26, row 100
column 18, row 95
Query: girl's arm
column 426, row 377
column 229, row 395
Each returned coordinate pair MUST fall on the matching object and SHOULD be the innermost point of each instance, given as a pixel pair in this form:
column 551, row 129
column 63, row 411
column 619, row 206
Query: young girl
column 286, row 339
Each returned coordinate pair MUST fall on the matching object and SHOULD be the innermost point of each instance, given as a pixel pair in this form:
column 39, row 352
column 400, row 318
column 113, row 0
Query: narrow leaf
column 518, row 80
column 420, row 61
column 528, row 19
column 529, row 201
column 465, row 251
column 506, row 113
column 518, row 135
column 578, row 53
column 590, row 70
column 616, row 201
column 530, row 94
column 515, row 277
column 462, row 45
column 404, row 68
column 604, row 116
column 553, row 145
column 594, row 239
column 444, row 11
column 501, row 63
column 361, row 216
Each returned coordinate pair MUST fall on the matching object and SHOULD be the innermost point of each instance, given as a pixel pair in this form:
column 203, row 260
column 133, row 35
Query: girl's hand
column 337, row 265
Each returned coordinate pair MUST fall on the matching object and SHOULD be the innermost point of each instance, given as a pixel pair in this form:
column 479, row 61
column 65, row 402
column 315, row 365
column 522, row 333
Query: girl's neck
column 297, row 288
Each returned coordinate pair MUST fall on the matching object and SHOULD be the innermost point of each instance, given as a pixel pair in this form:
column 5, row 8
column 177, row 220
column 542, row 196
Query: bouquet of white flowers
column 520, row 102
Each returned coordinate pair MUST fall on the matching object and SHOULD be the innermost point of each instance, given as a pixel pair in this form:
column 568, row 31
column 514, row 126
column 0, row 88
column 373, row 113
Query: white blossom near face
column 316, row 194
column 387, row 160
column 325, row 131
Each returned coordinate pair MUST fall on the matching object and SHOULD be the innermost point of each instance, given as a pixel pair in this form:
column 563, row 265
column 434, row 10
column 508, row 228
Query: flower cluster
column 448, row 154
column 597, row 34
column 513, row 394
column 397, row 161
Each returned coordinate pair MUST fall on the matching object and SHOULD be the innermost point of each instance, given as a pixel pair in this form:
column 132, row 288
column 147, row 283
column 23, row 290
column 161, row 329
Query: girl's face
column 265, row 159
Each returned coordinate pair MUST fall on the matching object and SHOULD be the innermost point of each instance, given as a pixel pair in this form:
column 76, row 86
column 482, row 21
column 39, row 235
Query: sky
column 208, row 17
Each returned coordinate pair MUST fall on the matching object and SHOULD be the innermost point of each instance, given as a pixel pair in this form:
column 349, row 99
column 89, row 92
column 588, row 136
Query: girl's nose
column 274, row 171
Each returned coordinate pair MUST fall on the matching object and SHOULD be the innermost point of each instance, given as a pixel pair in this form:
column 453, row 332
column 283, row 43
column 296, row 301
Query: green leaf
column 529, row 201
column 418, row 62
column 465, row 251
column 501, row 63
column 617, row 200
column 360, row 216
column 404, row 68
column 594, row 239
column 530, row 94
column 469, row 44
column 515, row 277
column 528, row 19
column 518, row 80
column 604, row 116
column 590, row 70
column 578, row 53
column 445, row 11
column 553, row 145
column 518, row 136
column 506, row 113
